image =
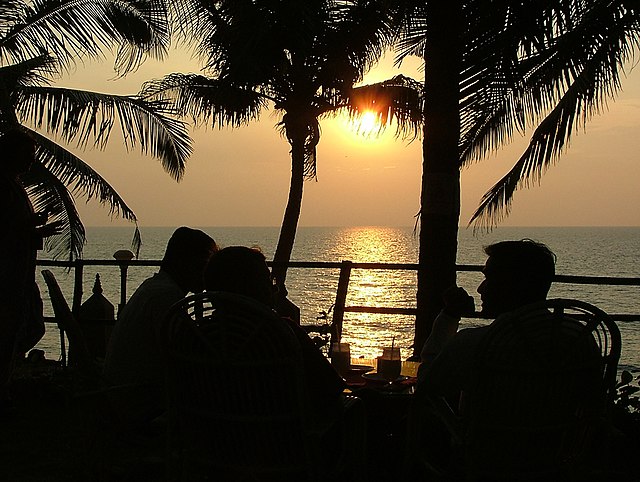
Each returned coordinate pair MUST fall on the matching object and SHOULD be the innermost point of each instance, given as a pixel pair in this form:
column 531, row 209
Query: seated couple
column 193, row 262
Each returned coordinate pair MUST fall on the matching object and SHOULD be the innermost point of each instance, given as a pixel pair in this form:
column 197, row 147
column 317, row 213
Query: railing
column 78, row 269
column 345, row 267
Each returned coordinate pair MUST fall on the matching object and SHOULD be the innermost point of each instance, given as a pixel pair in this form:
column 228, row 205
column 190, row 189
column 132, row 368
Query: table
column 409, row 372
column 387, row 409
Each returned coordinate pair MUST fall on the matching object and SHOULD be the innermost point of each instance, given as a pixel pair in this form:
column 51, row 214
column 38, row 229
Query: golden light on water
column 368, row 333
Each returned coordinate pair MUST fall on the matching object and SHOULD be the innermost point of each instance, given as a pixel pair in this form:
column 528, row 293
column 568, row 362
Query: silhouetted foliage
column 39, row 40
column 302, row 58
column 493, row 69
column 627, row 405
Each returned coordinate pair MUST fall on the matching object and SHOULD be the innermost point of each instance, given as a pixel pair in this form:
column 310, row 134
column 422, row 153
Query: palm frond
column 584, row 96
column 398, row 99
column 48, row 194
column 8, row 10
column 72, row 29
column 81, row 178
column 206, row 100
column 497, row 100
column 361, row 32
column 15, row 77
column 411, row 21
column 80, row 115
column 33, row 71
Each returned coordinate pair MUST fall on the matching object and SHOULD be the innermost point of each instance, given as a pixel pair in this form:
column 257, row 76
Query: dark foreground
column 43, row 437
column 52, row 432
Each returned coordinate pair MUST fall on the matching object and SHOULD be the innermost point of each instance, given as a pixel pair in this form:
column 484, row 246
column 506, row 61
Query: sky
column 240, row 177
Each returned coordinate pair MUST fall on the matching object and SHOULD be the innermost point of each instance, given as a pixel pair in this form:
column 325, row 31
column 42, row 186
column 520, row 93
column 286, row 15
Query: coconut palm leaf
column 545, row 146
column 412, row 25
column 590, row 77
column 398, row 99
column 47, row 183
column 50, row 195
column 73, row 29
column 80, row 177
column 57, row 169
column 362, row 32
column 78, row 115
column 7, row 12
column 206, row 100
column 542, row 65
column 536, row 81
column 30, row 72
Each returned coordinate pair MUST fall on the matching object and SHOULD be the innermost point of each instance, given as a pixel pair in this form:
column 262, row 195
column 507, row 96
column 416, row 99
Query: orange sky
column 241, row 177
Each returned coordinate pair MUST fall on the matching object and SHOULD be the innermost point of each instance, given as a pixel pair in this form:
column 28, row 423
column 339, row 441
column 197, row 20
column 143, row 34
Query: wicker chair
column 544, row 378
column 235, row 393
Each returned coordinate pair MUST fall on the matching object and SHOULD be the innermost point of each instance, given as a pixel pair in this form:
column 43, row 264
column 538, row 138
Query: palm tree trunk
column 440, row 196
column 289, row 227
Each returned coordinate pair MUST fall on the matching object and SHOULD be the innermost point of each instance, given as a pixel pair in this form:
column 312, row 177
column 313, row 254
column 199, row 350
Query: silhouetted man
column 134, row 355
column 516, row 273
column 21, row 235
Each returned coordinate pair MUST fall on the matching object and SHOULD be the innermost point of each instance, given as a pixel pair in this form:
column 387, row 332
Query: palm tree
column 300, row 57
column 491, row 68
column 40, row 40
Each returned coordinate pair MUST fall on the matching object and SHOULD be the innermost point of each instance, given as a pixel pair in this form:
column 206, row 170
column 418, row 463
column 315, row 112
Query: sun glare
column 367, row 125
column 364, row 130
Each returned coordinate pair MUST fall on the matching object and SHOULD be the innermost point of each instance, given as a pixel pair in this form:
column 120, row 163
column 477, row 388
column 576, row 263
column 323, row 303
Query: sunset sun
column 366, row 125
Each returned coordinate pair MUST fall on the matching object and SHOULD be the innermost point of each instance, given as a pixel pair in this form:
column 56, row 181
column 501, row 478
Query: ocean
column 587, row 251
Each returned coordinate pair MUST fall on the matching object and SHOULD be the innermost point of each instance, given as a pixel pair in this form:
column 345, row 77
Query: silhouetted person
column 21, row 320
column 244, row 271
column 134, row 355
column 504, row 378
column 516, row 273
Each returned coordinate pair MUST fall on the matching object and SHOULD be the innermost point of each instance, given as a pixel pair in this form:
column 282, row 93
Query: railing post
column 123, row 286
column 341, row 298
column 77, row 286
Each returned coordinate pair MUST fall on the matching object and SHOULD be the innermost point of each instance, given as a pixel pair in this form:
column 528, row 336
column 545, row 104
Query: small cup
column 341, row 357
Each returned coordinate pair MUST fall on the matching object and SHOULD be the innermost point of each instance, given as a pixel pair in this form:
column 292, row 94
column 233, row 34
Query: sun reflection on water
column 368, row 333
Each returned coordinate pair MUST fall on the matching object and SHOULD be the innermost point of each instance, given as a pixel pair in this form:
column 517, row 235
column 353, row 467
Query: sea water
column 595, row 251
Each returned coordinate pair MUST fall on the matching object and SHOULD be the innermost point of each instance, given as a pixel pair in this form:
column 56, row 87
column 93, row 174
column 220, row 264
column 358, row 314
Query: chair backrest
column 235, row 393
column 544, row 376
column 78, row 351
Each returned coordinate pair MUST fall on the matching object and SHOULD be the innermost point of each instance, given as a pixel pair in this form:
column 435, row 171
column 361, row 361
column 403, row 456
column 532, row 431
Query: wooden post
column 77, row 287
column 341, row 298
column 123, row 285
